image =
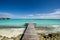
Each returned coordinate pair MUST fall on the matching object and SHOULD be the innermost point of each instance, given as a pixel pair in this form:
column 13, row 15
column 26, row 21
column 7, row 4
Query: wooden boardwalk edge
column 29, row 32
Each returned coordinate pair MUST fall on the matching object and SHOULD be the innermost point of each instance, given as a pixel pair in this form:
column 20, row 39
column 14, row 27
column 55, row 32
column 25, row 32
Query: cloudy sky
column 30, row 9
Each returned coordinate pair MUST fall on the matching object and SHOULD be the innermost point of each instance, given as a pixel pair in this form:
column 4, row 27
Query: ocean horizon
column 21, row 22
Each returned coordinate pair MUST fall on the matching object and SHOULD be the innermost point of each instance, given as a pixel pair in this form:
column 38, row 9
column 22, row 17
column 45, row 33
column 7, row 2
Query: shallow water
column 11, row 32
column 21, row 22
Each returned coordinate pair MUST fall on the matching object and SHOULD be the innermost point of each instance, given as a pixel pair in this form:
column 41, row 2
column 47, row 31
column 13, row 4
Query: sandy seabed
column 11, row 32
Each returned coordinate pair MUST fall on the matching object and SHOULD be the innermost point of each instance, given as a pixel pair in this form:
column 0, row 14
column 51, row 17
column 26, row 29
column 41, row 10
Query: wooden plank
column 30, row 33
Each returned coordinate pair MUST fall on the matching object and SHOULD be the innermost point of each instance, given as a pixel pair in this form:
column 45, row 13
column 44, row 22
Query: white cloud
column 52, row 15
column 31, row 15
column 10, row 15
column 2, row 14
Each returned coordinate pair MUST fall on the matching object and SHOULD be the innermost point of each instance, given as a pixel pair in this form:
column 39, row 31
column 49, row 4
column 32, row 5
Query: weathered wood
column 30, row 33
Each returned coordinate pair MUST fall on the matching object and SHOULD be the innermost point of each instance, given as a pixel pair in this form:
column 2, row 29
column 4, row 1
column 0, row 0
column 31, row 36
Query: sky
column 30, row 9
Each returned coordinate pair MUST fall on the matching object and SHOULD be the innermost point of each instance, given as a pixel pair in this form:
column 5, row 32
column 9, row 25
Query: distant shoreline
column 4, row 18
column 37, row 19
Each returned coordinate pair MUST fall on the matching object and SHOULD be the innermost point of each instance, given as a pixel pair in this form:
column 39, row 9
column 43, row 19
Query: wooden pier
column 29, row 33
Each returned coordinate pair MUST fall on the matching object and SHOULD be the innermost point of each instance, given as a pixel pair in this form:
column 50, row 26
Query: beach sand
column 11, row 32
column 17, row 32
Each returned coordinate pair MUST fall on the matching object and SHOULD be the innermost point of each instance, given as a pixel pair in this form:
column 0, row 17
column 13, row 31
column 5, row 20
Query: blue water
column 21, row 22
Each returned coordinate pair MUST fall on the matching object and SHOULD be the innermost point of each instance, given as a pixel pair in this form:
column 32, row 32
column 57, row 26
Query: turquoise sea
column 21, row 22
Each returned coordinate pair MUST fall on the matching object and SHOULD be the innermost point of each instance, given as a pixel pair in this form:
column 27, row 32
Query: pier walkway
column 29, row 32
